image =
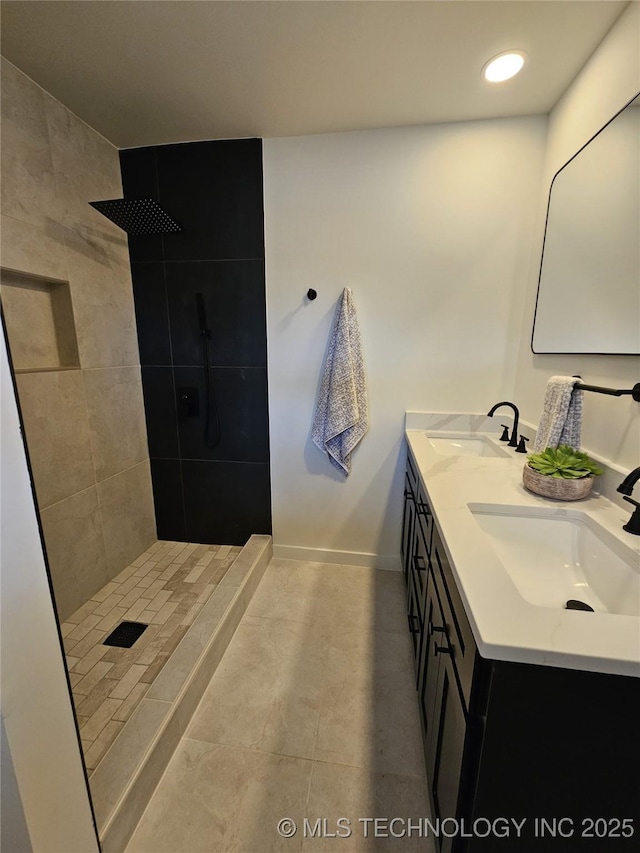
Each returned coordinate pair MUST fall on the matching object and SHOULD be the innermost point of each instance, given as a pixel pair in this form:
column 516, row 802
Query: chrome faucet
column 626, row 488
column 513, row 442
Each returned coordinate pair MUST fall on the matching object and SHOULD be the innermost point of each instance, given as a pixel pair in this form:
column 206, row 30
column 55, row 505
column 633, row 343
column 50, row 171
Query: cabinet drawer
column 461, row 641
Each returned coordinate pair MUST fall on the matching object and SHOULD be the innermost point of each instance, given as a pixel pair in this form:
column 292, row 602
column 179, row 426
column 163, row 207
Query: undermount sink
column 554, row 558
column 464, row 444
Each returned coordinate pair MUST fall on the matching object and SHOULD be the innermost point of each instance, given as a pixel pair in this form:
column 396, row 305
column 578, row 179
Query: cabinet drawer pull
column 417, row 560
column 441, row 650
column 435, row 629
column 423, row 509
column 410, row 619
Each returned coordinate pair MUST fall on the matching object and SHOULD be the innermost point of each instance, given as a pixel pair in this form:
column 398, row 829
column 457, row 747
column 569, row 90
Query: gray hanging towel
column 341, row 416
column 561, row 419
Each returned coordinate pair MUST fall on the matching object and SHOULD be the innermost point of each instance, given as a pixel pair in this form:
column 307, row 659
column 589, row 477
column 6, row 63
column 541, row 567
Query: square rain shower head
column 137, row 216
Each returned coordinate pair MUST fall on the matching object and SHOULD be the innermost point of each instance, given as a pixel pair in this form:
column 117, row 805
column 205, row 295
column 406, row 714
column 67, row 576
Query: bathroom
column 437, row 227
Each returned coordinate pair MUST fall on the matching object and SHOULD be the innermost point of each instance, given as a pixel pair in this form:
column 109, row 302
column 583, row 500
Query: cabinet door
column 447, row 747
column 429, row 665
column 415, row 627
column 421, row 559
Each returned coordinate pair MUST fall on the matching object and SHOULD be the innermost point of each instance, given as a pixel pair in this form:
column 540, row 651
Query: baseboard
column 390, row 562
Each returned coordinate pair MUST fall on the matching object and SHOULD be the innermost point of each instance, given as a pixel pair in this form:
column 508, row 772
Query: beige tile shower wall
column 85, row 428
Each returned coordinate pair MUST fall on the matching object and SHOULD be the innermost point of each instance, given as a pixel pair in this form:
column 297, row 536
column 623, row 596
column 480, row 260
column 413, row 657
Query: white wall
column 432, row 228
column 36, row 706
column 607, row 82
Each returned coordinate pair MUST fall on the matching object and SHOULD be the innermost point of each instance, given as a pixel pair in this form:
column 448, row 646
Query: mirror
column 589, row 286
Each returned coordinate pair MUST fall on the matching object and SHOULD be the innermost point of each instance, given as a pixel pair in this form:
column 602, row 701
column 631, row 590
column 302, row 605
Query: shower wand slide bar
column 212, row 429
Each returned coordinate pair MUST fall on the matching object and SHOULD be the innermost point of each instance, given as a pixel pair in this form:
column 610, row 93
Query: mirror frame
column 544, row 240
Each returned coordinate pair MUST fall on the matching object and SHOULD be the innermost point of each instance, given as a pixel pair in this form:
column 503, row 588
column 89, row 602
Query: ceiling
column 148, row 73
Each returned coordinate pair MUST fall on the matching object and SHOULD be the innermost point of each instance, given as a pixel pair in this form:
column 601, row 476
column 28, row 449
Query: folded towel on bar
column 561, row 419
column 341, row 416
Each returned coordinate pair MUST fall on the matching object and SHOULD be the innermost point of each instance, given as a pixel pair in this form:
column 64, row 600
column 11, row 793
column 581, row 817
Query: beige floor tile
column 324, row 672
column 113, row 618
column 132, row 596
column 85, row 626
column 74, row 678
column 82, row 612
column 126, row 685
column 164, row 613
column 99, row 719
column 227, row 799
column 358, row 795
column 120, row 669
column 87, row 706
column 195, row 573
column 136, row 608
column 101, row 744
column 369, row 716
column 66, row 628
column 126, row 574
column 145, row 566
column 96, row 653
column 293, row 590
column 152, row 650
column 145, row 580
column 152, row 671
column 174, row 621
column 146, row 616
column 127, row 584
column 128, row 706
column 267, row 691
column 169, row 571
column 90, row 680
column 151, row 591
column 86, row 645
column 113, row 681
column 105, row 592
column 113, row 600
column 159, row 600
column 69, row 644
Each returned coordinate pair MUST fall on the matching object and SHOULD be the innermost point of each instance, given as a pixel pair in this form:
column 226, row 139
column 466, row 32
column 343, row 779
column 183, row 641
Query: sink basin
column 464, row 444
column 553, row 558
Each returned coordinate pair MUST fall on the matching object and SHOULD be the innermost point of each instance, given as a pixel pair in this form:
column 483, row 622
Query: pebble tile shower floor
column 165, row 587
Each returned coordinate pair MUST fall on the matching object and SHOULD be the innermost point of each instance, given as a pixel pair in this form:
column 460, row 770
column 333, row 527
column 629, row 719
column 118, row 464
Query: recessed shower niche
column 39, row 320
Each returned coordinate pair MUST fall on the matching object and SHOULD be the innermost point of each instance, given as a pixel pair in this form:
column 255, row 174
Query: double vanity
column 529, row 709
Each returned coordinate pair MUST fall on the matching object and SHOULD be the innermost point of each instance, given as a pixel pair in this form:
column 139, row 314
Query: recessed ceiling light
column 504, row 65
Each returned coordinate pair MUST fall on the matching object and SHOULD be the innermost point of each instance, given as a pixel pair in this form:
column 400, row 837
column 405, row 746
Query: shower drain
column 125, row 635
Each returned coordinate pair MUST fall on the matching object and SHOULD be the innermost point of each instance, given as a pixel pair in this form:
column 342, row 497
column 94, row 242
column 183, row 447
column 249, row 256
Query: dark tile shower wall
column 214, row 191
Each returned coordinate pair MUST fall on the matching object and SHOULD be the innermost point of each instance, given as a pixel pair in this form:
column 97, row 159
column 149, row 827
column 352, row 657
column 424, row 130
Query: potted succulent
column 560, row 472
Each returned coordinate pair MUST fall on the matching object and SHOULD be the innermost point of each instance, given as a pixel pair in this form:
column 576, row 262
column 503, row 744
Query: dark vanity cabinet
column 555, row 750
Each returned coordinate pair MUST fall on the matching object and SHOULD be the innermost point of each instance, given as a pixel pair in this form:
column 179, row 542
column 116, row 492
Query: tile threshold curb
column 125, row 779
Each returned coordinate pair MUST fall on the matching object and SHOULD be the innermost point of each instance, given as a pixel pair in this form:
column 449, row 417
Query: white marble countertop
column 504, row 624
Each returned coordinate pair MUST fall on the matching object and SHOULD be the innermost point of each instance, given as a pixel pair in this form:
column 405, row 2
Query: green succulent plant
column 564, row 463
